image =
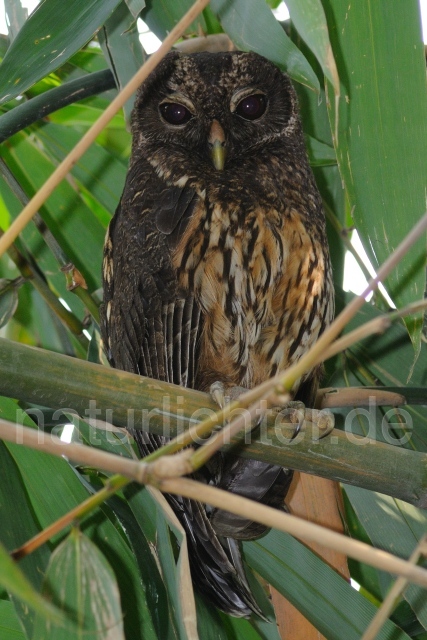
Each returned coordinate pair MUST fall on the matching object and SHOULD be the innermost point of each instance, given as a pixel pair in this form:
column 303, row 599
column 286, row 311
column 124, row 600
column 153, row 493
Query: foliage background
column 367, row 148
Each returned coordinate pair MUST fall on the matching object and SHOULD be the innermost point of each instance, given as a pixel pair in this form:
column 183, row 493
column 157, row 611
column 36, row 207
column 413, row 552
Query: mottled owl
column 217, row 268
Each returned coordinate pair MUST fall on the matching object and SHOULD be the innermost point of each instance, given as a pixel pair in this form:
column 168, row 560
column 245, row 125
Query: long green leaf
column 162, row 15
column 119, row 40
column 19, row 522
column 73, row 224
column 396, row 527
column 12, row 579
column 51, row 500
column 309, row 19
column 98, row 170
column 10, row 627
column 382, row 131
column 54, row 31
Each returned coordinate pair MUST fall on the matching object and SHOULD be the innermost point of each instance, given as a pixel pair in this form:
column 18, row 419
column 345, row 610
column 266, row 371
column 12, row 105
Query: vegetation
column 121, row 572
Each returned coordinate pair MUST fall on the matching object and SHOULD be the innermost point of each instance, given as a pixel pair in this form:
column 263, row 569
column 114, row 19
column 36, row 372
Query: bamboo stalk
column 99, row 393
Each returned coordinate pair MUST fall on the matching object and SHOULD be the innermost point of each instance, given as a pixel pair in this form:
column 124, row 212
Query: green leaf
column 81, row 583
column 16, row 16
column 19, row 522
column 148, row 564
column 65, row 214
column 162, row 15
column 382, row 132
column 8, row 299
column 394, row 526
column 135, row 7
column 51, row 500
column 176, row 572
column 10, row 627
column 309, row 19
column 263, row 35
column 98, row 170
column 119, row 39
column 54, row 31
column 12, row 579
column 336, row 609
column 319, row 153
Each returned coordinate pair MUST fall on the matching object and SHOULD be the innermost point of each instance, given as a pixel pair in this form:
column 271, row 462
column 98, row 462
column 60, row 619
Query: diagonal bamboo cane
column 64, row 167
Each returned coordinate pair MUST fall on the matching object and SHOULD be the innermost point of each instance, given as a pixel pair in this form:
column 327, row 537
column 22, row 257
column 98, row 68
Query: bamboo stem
column 100, row 393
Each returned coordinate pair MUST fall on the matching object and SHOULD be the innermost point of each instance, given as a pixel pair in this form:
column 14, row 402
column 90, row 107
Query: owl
column 216, row 269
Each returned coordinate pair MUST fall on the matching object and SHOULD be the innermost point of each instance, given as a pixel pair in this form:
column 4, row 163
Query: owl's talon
column 323, row 420
column 223, row 395
column 217, row 393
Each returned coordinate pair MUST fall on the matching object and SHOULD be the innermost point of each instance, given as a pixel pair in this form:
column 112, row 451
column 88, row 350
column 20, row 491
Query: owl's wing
column 149, row 327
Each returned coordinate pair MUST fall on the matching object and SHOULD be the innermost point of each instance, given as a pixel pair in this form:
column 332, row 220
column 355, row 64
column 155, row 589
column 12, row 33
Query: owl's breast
column 250, row 271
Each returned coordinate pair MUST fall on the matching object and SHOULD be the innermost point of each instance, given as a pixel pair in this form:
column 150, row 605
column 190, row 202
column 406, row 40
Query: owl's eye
column 175, row 113
column 252, row 107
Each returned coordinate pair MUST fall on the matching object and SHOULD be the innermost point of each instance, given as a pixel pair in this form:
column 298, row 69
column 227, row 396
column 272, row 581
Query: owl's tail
column 216, row 564
column 215, row 561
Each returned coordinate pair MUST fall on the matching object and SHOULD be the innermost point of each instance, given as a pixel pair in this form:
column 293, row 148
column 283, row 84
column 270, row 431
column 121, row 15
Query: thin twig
column 49, row 443
column 377, row 325
column 64, row 167
column 244, row 422
column 334, row 398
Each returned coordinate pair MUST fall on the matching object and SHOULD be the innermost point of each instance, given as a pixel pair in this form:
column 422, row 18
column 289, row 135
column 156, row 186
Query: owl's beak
column 216, row 143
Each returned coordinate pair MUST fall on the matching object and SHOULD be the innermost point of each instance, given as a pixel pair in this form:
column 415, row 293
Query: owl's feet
column 222, row 394
column 296, row 413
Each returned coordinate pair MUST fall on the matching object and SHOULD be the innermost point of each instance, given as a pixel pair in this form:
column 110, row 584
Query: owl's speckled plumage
column 218, row 272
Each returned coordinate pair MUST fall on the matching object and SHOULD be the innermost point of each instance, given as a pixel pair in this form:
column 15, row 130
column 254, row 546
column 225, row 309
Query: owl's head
column 204, row 113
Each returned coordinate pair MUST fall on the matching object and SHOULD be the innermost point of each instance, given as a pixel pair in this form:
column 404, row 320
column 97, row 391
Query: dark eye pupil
column 175, row 113
column 252, row 107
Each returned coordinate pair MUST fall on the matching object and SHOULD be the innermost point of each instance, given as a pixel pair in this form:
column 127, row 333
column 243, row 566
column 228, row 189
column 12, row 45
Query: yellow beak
column 216, row 142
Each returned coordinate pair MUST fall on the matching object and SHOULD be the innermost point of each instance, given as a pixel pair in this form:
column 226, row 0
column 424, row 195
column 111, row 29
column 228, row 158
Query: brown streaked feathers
column 216, row 267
